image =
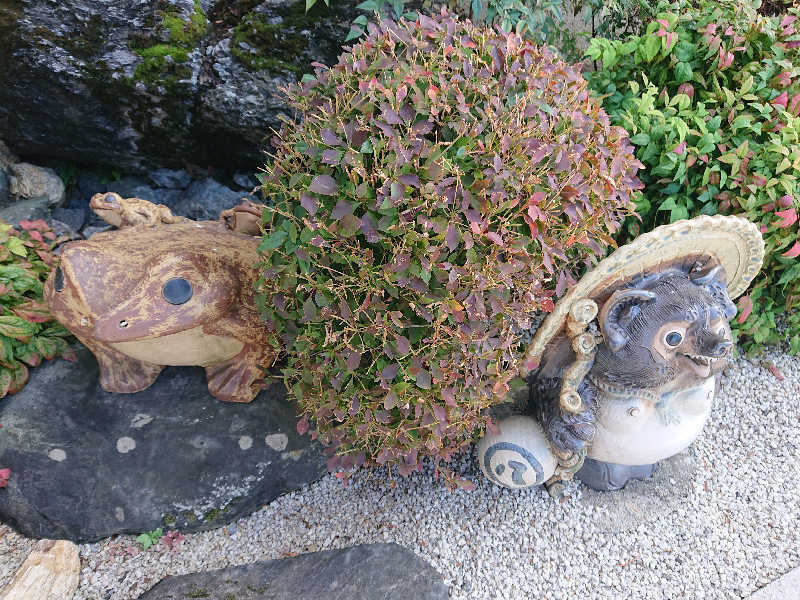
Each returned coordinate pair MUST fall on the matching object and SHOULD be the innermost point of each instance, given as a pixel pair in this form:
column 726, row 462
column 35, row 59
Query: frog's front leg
column 241, row 378
column 120, row 373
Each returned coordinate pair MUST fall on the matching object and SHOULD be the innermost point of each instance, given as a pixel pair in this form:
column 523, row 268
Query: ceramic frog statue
column 163, row 290
column 625, row 368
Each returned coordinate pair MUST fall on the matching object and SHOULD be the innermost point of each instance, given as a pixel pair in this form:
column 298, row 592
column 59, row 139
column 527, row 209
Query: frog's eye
column 58, row 280
column 673, row 338
column 177, row 291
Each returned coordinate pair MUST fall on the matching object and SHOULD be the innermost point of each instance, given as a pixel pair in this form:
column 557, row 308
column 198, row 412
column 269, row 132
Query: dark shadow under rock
column 86, row 464
column 369, row 572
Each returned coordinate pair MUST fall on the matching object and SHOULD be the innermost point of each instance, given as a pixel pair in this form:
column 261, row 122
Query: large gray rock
column 369, row 572
column 86, row 464
column 140, row 83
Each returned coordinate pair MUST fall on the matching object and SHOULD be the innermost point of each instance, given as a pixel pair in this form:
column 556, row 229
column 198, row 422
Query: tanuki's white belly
column 637, row 431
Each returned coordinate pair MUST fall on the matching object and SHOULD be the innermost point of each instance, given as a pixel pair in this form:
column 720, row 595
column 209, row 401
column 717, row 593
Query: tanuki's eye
column 673, row 338
column 177, row 291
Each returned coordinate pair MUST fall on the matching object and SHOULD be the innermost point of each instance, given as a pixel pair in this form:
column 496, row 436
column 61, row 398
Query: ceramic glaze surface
column 640, row 431
column 518, row 456
column 163, row 291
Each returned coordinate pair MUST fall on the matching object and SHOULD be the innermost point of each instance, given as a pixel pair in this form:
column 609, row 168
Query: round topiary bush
column 441, row 184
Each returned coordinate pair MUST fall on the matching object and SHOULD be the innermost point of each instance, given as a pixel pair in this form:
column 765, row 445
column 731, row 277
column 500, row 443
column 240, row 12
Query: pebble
column 736, row 532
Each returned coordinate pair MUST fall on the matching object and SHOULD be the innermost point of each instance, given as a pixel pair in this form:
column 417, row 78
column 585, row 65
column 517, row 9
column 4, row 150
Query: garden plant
column 28, row 333
column 438, row 187
column 710, row 95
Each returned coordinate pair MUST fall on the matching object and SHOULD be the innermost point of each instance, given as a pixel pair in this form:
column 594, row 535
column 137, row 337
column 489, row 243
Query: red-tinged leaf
column 19, row 377
column 391, row 400
column 793, row 252
column 36, row 235
column 403, row 345
column 40, row 224
column 530, row 364
column 786, row 201
column 302, row 425
column 788, row 218
column 341, row 209
column 5, row 382
column 475, row 227
column 547, row 305
column 310, row 203
column 401, row 93
column 497, row 163
column 494, row 238
column 409, row 179
column 5, row 475
column 780, row 100
column 770, row 366
column 391, row 117
column 422, row 127
column 46, row 256
column 17, row 328
column 49, row 235
column 671, row 38
column 324, row 184
column 424, row 379
column 33, row 311
column 369, row 228
column 30, row 357
column 353, row 360
column 452, row 237
column 330, row 138
column 680, row 148
column 68, row 354
column 389, row 372
column 539, row 154
column 330, row 157
column 440, row 412
column 745, row 305
column 449, row 397
column 663, row 22
column 25, row 225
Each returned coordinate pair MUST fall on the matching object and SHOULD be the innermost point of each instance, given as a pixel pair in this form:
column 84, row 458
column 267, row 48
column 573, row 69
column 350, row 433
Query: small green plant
column 28, row 332
column 440, row 185
column 711, row 95
column 151, row 537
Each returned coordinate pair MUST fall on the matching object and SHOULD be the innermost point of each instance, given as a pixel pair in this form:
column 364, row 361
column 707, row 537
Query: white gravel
column 732, row 529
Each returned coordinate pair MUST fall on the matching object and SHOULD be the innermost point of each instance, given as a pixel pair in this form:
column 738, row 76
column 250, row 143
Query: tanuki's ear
column 614, row 334
column 714, row 281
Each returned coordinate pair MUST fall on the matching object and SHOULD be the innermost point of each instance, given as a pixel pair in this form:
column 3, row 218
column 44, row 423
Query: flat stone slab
column 86, row 464
column 785, row 588
column 368, row 572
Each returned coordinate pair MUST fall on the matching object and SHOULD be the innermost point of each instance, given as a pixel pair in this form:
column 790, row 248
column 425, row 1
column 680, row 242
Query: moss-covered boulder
column 135, row 83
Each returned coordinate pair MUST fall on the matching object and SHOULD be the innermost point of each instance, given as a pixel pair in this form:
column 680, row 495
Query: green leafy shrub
column 441, row 184
column 711, row 96
column 27, row 331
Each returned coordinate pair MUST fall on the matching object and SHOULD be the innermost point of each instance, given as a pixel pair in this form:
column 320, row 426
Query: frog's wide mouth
column 184, row 348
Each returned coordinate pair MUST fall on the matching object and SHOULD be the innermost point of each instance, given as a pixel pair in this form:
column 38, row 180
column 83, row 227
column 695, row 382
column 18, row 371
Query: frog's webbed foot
column 120, row 373
column 237, row 380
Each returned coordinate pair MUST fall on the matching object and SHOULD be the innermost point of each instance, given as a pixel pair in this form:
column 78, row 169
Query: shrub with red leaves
column 27, row 331
column 441, row 184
